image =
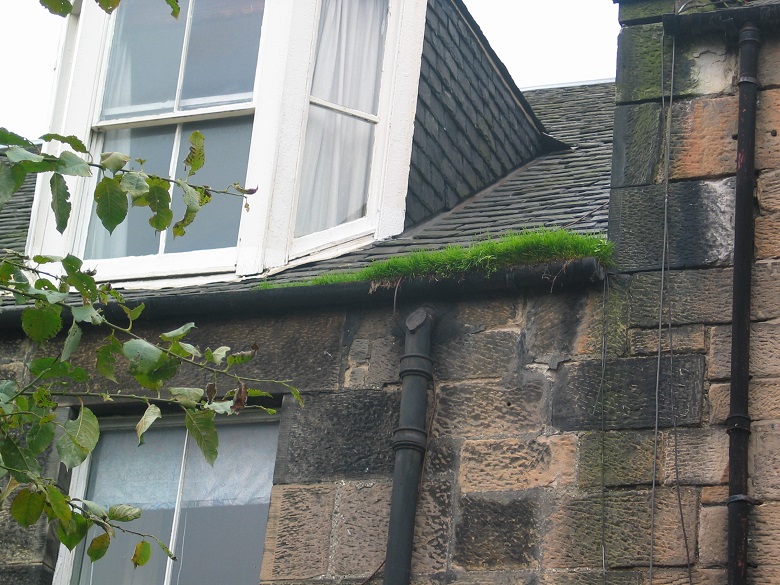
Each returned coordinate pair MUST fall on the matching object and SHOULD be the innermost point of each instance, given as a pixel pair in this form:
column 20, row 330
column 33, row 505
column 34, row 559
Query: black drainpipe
column 738, row 422
column 409, row 442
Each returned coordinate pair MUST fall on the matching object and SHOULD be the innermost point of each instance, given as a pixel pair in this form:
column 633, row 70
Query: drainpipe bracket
column 738, row 422
column 416, row 364
column 748, row 79
column 743, row 498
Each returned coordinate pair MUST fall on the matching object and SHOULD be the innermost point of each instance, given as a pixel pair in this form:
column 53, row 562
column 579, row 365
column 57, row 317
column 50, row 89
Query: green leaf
column 50, row 296
column 59, row 504
column 196, row 157
column 58, row 7
column 108, row 6
column 142, row 554
column 133, row 313
column 123, row 513
column 159, row 199
column 18, row 154
column 71, row 341
column 216, row 356
column 240, row 357
column 11, row 179
column 200, row 424
column 78, row 439
column 48, row 368
column 257, row 393
column 134, row 183
column 40, row 437
column 27, row 507
column 177, row 334
column 166, row 550
column 184, row 350
column 71, row 164
column 98, row 547
column 174, row 4
column 149, row 365
column 86, row 314
column 8, row 388
column 224, row 407
column 192, row 205
column 74, row 532
column 60, row 201
column 152, row 414
column 42, row 323
column 72, row 141
column 106, row 357
column 81, row 281
column 20, row 461
column 114, row 161
column 186, row 394
column 9, row 138
column 95, row 508
column 111, row 203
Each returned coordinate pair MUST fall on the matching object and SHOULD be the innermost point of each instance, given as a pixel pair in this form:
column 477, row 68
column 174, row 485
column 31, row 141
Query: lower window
column 213, row 518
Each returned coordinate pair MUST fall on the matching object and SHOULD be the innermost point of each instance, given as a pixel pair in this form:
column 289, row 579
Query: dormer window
column 294, row 97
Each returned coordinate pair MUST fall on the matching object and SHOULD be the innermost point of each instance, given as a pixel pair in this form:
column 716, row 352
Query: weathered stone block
column 616, row 458
column 480, row 410
column 26, row 574
column 344, row 435
column 696, row 296
column 573, row 538
column 764, row 351
column 489, row 578
column 433, row 527
column 639, row 63
column 649, row 10
column 768, row 191
column 361, row 520
column 702, row 456
column 767, row 228
column 686, row 339
column 489, row 354
column 21, row 545
column 497, row 532
column 762, row 395
column 765, row 534
column 592, row 578
column 636, row 149
column 700, row 220
column 703, row 133
column 628, row 394
column 552, row 324
column 515, row 464
column 681, row 577
column 297, row 542
column 384, row 365
column 714, row 495
column 766, row 460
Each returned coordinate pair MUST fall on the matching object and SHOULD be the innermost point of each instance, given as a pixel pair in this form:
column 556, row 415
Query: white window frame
column 281, row 102
column 79, row 478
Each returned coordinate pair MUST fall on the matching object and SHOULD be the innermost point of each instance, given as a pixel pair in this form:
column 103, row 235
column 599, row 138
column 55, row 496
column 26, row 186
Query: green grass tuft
column 520, row 249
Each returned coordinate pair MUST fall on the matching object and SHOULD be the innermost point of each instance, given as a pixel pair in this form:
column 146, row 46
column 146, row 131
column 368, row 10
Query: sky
column 542, row 43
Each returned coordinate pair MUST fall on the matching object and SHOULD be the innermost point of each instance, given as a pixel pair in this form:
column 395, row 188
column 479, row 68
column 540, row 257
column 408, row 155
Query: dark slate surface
column 472, row 126
column 15, row 217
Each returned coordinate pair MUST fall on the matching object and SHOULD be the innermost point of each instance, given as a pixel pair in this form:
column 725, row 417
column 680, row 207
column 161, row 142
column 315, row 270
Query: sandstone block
column 433, row 527
column 636, row 149
column 297, row 538
column 765, row 535
column 384, row 365
column 343, row 435
column 714, row 495
column 592, row 578
column 702, row 456
column 497, row 532
column 628, row 394
column 26, row 574
column 483, row 410
column 481, row 355
column 627, row 459
column 763, row 405
column 515, row 464
column 573, row 538
column 766, row 241
column 680, row 577
column 685, row 339
column 700, row 220
column 764, row 351
column 713, row 530
column 491, row 578
column 768, row 191
column 361, row 520
column 650, row 10
column 766, row 461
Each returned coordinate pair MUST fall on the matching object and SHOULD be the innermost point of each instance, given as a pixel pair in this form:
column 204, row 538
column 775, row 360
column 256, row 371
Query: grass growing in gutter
column 527, row 248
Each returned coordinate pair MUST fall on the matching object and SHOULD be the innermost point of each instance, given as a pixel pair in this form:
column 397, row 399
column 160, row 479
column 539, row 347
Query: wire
column 603, row 431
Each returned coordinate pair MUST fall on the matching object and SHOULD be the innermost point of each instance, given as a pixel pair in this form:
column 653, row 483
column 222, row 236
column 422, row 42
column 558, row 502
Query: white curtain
column 337, row 151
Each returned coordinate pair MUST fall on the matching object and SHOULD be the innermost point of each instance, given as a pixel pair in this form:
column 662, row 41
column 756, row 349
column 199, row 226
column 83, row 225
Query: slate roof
column 15, row 218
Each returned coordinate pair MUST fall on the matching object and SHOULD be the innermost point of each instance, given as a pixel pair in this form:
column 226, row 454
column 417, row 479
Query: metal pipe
column 409, row 444
column 738, row 421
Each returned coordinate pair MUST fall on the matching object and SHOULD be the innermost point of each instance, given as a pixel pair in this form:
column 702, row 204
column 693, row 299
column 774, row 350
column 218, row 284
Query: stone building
column 569, row 443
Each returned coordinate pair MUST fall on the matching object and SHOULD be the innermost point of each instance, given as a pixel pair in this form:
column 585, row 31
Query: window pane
column 222, row 53
column 147, row 477
column 143, row 69
column 228, row 505
column 227, row 156
column 334, row 177
column 134, row 236
column 349, row 53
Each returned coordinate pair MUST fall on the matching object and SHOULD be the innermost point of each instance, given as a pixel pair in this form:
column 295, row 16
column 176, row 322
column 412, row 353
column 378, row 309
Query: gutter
column 226, row 301
column 738, row 422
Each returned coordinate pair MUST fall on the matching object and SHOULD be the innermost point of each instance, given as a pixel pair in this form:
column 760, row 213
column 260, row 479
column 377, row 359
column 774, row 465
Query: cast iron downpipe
column 409, row 442
column 738, row 421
